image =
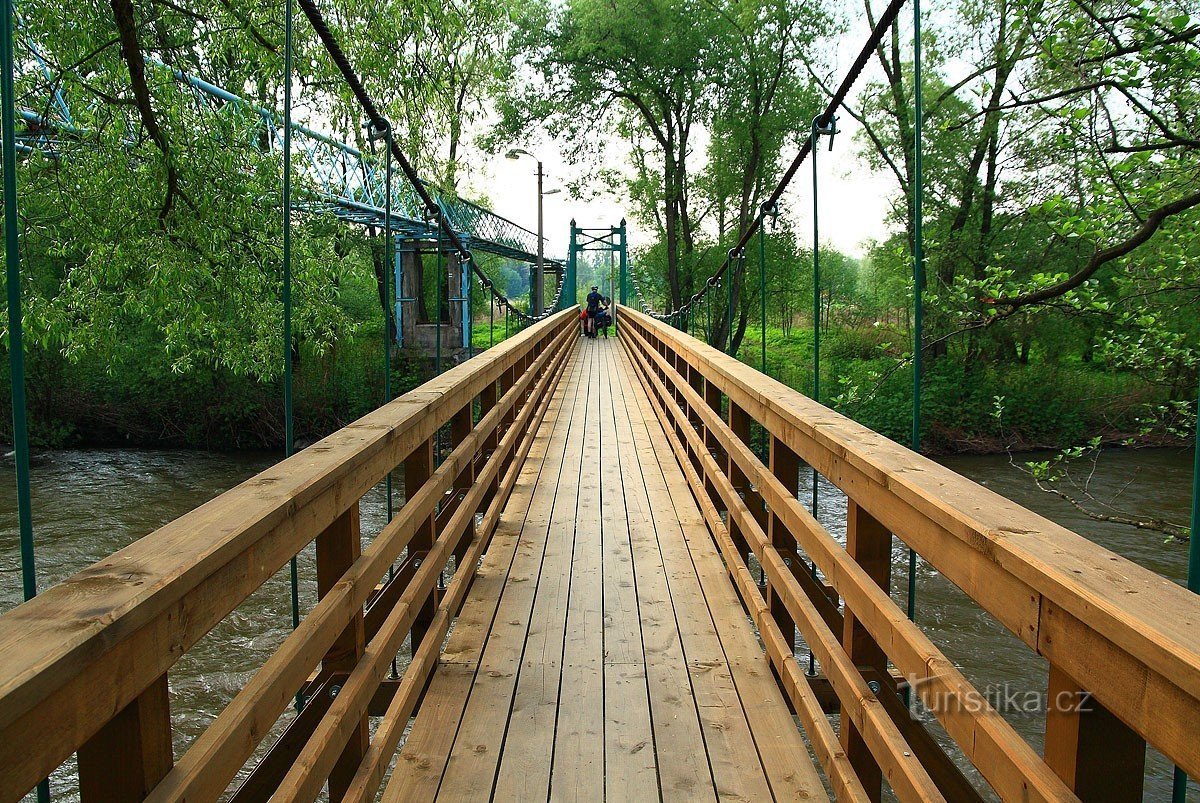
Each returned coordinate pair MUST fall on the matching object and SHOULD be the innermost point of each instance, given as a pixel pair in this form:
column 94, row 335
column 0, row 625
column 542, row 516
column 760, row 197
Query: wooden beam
column 460, row 428
column 132, row 752
column 1016, row 564
column 337, row 549
column 417, row 469
column 264, row 779
column 785, row 465
column 870, row 545
column 128, row 618
column 1097, row 755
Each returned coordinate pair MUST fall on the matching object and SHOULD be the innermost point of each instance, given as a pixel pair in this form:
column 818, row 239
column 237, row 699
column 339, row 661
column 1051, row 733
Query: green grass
column 1045, row 403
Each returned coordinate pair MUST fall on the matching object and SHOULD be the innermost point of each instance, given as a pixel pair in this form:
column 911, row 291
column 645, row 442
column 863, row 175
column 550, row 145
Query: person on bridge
column 594, row 300
column 603, row 318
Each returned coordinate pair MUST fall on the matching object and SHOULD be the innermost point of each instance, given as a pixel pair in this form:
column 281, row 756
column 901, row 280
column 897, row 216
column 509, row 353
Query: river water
column 90, row 503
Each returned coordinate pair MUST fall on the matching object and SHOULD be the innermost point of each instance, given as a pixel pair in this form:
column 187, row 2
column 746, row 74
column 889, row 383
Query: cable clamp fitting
column 770, row 210
column 828, row 129
column 378, row 129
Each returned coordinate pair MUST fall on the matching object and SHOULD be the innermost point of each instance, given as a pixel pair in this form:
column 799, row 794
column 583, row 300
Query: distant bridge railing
column 84, row 665
column 347, row 182
column 1120, row 639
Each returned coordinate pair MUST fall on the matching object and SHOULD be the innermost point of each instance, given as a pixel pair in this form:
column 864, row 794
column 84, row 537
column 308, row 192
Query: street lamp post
column 539, row 273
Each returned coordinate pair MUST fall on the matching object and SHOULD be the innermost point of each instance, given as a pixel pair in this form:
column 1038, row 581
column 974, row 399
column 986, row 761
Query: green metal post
column 571, row 292
column 624, row 264
column 467, row 293
column 1179, row 786
column 437, row 300
column 289, row 427
column 729, row 308
column 816, row 383
column 918, row 275
column 762, row 292
column 388, row 248
column 16, row 345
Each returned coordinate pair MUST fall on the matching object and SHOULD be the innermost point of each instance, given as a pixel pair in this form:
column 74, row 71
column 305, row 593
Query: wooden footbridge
column 575, row 582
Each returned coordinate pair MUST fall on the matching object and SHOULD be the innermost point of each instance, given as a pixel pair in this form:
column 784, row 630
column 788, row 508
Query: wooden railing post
column 870, row 544
column 487, row 400
column 460, row 427
column 785, row 465
column 739, row 422
column 132, row 752
column 418, row 466
column 1097, row 755
column 712, row 397
column 337, row 548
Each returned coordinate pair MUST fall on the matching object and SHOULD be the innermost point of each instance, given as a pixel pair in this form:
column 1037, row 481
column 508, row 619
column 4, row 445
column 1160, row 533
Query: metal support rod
column 388, row 249
column 1180, row 782
column 762, row 296
column 918, row 276
column 816, row 356
column 539, row 274
column 470, row 316
column 289, row 436
column 16, row 345
column 437, row 305
column 729, row 311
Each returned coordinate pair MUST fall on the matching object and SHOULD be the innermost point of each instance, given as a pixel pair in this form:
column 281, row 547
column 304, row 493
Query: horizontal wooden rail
column 1109, row 628
column 77, row 659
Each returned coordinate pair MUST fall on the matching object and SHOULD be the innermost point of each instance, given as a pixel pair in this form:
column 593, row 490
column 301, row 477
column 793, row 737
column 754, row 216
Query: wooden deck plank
column 680, row 750
column 771, row 724
column 578, row 769
column 422, row 759
column 629, row 750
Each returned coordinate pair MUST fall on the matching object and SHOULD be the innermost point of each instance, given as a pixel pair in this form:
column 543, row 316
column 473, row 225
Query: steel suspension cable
column 882, row 25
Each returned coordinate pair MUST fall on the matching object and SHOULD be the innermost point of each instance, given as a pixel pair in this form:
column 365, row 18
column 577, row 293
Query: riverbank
column 994, row 408
column 1014, row 406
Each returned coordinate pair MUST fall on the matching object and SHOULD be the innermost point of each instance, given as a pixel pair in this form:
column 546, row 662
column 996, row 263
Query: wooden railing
column 1123, row 643
column 83, row 666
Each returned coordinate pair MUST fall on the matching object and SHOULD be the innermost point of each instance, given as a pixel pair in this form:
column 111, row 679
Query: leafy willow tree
column 160, row 212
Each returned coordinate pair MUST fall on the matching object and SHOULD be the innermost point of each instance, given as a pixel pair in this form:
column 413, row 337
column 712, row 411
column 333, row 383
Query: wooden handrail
column 88, row 649
column 1120, row 632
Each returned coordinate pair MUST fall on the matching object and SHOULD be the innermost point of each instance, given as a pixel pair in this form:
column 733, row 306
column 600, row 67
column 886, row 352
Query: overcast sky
column 854, row 201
